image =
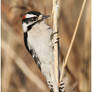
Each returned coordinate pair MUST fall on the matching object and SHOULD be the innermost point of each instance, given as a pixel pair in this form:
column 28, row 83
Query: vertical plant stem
column 55, row 30
column 7, row 72
column 73, row 38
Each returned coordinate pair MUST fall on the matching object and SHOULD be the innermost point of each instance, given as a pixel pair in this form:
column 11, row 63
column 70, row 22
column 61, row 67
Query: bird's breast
column 40, row 41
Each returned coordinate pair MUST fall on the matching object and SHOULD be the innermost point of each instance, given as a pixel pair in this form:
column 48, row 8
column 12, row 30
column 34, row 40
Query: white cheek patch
column 24, row 25
column 30, row 15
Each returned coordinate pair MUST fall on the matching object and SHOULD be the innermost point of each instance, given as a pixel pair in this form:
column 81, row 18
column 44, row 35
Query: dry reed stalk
column 6, row 75
column 55, row 13
column 86, row 68
column 27, row 72
column 87, row 48
column 73, row 38
column 0, row 52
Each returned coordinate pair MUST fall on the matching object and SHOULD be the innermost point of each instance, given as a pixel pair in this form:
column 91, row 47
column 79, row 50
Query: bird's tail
column 61, row 87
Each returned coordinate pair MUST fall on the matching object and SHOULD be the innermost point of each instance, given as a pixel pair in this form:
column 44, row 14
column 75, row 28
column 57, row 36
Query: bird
column 38, row 41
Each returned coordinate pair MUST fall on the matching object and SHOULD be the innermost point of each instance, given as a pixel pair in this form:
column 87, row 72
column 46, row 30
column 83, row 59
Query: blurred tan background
column 19, row 72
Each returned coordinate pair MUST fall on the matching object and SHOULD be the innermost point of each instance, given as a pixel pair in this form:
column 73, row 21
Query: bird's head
column 29, row 19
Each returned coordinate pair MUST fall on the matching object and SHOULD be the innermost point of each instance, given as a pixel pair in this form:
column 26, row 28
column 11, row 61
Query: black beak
column 45, row 16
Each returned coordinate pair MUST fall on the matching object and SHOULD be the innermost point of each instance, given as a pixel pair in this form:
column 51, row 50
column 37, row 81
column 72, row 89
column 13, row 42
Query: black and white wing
column 32, row 51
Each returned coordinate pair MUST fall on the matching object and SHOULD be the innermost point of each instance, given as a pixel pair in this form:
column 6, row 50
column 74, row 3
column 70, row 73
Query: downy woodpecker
column 38, row 41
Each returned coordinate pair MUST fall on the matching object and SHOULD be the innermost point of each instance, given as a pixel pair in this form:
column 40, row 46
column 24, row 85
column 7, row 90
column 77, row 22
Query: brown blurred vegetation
column 19, row 72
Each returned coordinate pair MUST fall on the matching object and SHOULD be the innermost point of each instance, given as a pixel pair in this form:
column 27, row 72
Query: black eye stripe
column 34, row 18
column 30, row 19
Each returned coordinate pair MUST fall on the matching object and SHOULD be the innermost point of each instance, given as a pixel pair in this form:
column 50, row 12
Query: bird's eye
column 33, row 18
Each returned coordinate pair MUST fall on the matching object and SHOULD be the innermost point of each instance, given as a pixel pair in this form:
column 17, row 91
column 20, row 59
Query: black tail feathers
column 61, row 87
